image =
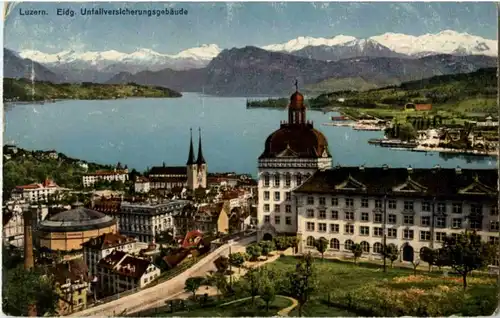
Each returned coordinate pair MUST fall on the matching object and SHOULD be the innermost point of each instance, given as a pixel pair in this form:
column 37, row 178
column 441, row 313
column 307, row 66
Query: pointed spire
column 191, row 150
column 200, row 159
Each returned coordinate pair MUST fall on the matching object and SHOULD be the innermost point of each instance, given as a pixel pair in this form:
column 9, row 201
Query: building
column 193, row 175
column 144, row 220
column 411, row 208
column 117, row 175
column 67, row 230
column 13, row 220
column 418, row 107
column 37, row 192
column 291, row 155
column 71, row 283
column 120, row 271
column 213, row 218
column 97, row 248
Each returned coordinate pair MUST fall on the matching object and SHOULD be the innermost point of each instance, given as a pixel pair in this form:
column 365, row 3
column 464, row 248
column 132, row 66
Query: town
column 120, row 242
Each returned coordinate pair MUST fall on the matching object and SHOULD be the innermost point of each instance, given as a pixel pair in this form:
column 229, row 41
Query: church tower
column 192, row 172
column 201, row 165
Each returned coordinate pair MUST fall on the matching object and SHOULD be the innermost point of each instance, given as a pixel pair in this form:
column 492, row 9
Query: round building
column 67, row 230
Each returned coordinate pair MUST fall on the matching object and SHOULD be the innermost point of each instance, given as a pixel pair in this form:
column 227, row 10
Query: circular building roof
column 78, row 219
column 297, row 101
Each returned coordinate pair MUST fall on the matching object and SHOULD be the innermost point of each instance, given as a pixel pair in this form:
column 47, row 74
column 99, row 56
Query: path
column 155, row 296
column 282, row 312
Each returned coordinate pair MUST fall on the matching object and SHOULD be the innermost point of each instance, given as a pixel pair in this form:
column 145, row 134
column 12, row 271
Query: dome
column 297, row 101
column 78, row 219
column 302, row 141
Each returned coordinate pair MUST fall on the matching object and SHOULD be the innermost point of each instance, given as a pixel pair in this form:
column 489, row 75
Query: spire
column 200, row 159
column 191, row 150
column 296, row 85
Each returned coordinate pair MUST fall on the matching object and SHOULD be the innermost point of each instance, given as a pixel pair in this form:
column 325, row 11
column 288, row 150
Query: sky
column 230, row 24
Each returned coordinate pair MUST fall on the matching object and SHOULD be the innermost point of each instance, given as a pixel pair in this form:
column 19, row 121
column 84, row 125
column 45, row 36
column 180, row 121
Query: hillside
column 14, row 66
column 21, row 90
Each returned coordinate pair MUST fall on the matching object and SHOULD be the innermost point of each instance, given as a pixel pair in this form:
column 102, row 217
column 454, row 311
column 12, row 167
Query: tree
column 219, row 281
column 267, row 292
column 415, row 263
column 321, row 246
column 465, row 252
column 253, row 282
column 267, row 247
column 222, row 264
column 254, row 251
column 407, row 132
column 237, row 260
column 429, row 256
column 357, row 251
column 302, row 281
column 192, row 284
column 390, row 252
column 281, row 242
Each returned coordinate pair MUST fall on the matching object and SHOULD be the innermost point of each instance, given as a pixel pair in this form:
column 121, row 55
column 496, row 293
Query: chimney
column 28, row 239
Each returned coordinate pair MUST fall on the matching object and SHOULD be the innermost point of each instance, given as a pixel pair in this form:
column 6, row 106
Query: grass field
column 237, row 309
column 365, row 290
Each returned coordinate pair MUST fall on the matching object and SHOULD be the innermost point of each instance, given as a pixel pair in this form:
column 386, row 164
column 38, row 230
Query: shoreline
column 456, row 151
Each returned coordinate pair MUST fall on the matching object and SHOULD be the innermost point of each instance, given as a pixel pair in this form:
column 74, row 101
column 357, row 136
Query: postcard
column 250, row 159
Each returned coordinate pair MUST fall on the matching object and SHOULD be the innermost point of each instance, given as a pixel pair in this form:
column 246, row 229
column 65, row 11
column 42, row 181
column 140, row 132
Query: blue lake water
column 147, row 132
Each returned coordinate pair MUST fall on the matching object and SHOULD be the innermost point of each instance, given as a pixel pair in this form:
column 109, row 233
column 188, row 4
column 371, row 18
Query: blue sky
column 235, row 24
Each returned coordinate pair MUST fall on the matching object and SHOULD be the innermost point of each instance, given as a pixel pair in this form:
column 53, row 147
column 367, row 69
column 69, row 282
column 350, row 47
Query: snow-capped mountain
column 305, row 41
column 444, row 42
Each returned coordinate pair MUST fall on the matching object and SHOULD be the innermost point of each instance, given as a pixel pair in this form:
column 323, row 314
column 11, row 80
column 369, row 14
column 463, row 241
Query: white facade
column 142, row 186
column 39, row 192
column 118, row 175
column 92, row 256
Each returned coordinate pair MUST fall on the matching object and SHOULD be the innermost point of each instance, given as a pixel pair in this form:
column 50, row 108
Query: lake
column 146, row 132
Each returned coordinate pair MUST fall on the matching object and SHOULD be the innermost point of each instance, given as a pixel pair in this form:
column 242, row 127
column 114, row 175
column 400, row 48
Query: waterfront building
column 118, row 175
column 71, row 284
column 119, row 272
column 301, row 194
column 67, row 230
column 144, row 220
column 37, row 192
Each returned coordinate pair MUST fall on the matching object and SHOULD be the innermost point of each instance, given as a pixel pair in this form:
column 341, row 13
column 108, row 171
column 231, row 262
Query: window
column 299, row 179
column 277, row 219
column 322, row 214
column 288, row 180
column 408, row 220
column 310, row 200
column 408, row 234
column 277, row 208
column 288, row 220
column 334, row 244
column 425, row 220
column 475, row 224
column 494, row 210
column 334, row 215
column 322, row 201
column 408, row 205
column 456, row 223
column 392, row 204
column 425, row 235
column 378, row 204
column 310, row 241
column 377, row 218
column 493, row 239
column 276, row 180
column 378, row 231
column 334, row 228
column 476, row 208
column 364, row 203
column 426, row 206
column 288, row 208
column 441, row 222
column 267, row 219
column 365, row 246
column 276, row 196
column 364, row 230
column 288, row 196
column 441, row 207
column 266, row 180
column 266, row 195
column 349, row 229
column 322, row 227
column 348, row 245
column 440, row 236
column 364, row 217
column 392, row 218
column 392, row 233
column 457, row 208
column 377, row 248
column 266, row 207
column 335, row 202
column 310, row 226
column 349, row 216
column 349, row 202
column 494, row 226
column 310, row 213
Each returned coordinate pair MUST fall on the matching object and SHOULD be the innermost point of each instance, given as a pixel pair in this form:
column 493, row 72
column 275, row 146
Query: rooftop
column 108, row 240
column 77, row 219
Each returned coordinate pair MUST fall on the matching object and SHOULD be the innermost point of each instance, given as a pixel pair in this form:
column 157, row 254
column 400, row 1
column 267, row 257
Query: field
column 365, row 290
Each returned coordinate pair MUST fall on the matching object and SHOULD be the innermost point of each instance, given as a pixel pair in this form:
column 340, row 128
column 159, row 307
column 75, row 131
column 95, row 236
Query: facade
column 213, row 218
column 67, row 230
column 119, row 272
column 142, row 185
column 120, row 175
column 291, row 155
column 37, row 192
column 97, row 248
column 13, row 220
column 71, row 283
column 144, row 220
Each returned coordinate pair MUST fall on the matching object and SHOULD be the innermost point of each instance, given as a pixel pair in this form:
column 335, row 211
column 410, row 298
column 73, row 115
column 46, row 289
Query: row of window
column 277, row 219
column 277, row 196
column 277, row 208
column 288, row 180
column 441, row 207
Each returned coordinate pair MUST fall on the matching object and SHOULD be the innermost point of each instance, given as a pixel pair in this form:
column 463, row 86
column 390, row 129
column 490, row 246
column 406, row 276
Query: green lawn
column 237, row 309
column 365, row 290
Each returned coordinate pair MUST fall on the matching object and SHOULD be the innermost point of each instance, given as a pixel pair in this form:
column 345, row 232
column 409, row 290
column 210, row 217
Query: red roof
column 47, row 183
column 192, row 239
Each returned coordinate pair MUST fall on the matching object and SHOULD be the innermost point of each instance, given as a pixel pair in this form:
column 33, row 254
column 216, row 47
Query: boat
column 368, row 128
column 393, row 143
column 339, row 118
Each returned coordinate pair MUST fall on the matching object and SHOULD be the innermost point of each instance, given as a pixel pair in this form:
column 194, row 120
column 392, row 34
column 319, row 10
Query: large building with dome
column 301, row 193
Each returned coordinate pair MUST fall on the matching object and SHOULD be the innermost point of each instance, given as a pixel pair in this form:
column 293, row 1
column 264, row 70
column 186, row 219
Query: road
column 156, row 295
